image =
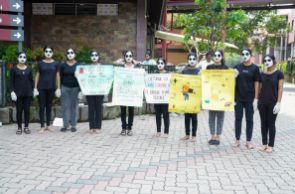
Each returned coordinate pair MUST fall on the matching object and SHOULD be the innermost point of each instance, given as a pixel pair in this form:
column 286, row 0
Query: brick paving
column 106, row 163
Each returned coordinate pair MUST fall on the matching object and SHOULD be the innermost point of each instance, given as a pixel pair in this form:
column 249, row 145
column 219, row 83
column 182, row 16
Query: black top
column 270, row 87
column 67, row 75
column 47, row 73
column 217, row 67
column 22, row 81
column 189, row 71
column 245, row 87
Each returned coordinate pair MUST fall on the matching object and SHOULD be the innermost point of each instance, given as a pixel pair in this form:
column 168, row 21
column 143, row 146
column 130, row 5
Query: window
column 65, row 9
column 86, row 9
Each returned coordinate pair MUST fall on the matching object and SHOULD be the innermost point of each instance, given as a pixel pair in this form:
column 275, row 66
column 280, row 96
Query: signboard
column 95, row 79
column 218, row 91
column 107, row 9
column 185, row 93
column 42, row 8
column 156, row 89
column 11, row 20
column 128, row 87
column 12, row 5
column 11, row 35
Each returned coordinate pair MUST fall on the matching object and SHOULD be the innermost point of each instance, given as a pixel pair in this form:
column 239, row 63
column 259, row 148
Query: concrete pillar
column 141, row 29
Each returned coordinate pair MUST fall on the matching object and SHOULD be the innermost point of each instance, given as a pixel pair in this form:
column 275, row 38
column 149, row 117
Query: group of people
column 254, row 90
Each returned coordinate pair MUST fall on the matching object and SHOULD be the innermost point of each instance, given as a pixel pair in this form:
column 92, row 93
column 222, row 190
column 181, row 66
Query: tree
column 214, row 26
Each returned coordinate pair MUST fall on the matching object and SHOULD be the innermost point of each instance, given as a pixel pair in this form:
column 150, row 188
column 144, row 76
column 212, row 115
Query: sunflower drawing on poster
column 218, row 91
column 185, row 93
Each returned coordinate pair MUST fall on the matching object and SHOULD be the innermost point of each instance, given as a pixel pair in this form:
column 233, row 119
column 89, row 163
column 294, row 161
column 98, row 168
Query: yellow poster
column 218, row 91
column 185, row 93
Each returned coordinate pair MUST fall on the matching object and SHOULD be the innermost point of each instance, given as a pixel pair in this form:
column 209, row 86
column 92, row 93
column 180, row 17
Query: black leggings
column 45, row 102
column 95, row 111
column 162, row 109
column 23, row 105
column 268, row 120
column 126, row 125
column 188, row 118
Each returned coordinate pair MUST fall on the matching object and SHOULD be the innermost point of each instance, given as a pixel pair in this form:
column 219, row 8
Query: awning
column 180, row 38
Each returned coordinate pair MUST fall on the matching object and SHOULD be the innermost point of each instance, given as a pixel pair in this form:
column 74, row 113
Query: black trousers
column 239, row 111
column 126, row 125
column 95, row 111
column 45, row 102
column 188, row 118
column 268, row 120
column 162, row 109
column 23, row 105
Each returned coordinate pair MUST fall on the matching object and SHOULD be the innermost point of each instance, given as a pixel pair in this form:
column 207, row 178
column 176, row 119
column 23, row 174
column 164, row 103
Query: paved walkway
column 56, row 162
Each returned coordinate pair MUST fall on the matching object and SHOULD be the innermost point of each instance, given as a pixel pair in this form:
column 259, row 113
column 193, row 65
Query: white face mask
column 268, row 62
column 245, row 56
column 48, row 53
column 217, row 56
column 192, row 61
column 71, row 54
column 94, row 57
column 22, row 58
column 128, row 57
column 161, row 65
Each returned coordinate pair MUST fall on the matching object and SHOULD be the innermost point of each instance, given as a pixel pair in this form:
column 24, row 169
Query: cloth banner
column 95, row 79
column 128, row 86
column 185, row 93
column 218, row 91
column 157, row 88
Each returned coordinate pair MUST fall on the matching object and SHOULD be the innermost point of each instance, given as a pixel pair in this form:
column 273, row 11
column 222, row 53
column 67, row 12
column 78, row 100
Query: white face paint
column 94, row 57
column 217, row 56
column 71, row 54
column 268, row 62
column 48, row 53
column 192, row 61
column 161, row 65
column 128, row 57
column 22, row 58
column 245, row 56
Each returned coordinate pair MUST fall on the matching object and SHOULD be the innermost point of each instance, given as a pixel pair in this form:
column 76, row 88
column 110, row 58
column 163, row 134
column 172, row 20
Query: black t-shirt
column 270, row 87
column 22, row 81
column 217, row 67
column 47, row 73
column 190, row 71
column 67, row 75
column 245, row 82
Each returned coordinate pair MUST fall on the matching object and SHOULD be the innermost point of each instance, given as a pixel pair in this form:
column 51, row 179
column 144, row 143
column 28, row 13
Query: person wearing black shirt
column 216, row 116
column 95, row 102
column 127, row 62
column 70, row 91
column 246, row 96
column 270, row 96
column 162, row 109
column 45, row 84
column 191, row 117
column 22, row 91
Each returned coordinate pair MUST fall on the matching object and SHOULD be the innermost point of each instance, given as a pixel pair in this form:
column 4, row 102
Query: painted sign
column 11, row 20
column 11, row 35
column 12, row 5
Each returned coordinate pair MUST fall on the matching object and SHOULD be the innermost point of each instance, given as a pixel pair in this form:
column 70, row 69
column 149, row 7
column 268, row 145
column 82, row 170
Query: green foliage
column 83, row 55
column 211, row 23
column 11, row 53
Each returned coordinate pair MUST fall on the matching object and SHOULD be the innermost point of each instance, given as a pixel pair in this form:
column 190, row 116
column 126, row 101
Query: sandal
column 96, row 131
column 249, row 146
column 185, row 138
column 19, row 131
column 27, row 130
column 193, row 139
column 123, row 132
column 41, row 130
column 263, row 148
column 237, row 144
column 129, row 132
column 269, row 150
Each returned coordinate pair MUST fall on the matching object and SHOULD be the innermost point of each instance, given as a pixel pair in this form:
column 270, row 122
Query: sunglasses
column 267, row 60
column 70, row 52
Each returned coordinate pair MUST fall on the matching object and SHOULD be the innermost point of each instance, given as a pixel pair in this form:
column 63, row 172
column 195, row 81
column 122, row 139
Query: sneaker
column 129, row 132
column 216, row 142
column 210, row 142
column 123, row 132
column 41, row 130
column 27, row 130
column 63, row 129
column 73, row 129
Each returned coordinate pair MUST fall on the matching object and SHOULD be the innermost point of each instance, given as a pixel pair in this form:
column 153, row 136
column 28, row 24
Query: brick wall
column 110, row 35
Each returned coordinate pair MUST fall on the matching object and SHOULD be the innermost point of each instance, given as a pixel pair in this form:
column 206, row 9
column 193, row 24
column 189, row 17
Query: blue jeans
column 216, row 128
column 69, row 105
column 239, row 111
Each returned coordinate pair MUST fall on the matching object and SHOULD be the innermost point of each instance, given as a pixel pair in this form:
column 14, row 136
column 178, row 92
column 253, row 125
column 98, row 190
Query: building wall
column 110, row 35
